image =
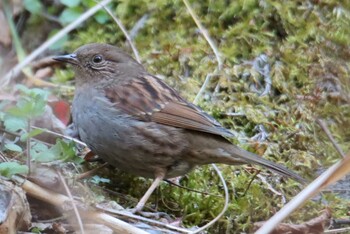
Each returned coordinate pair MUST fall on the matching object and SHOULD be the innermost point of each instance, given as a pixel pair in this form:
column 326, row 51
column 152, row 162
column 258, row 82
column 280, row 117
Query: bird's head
column 93, row 62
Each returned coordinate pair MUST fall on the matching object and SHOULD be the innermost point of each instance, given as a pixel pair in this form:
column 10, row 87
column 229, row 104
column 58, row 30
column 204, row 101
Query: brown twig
column 19, row 135
column 338, row 230
column 250, row 182
column 203, row 87
column 28, row 148
column 205, row 34
column 75, row 209
column 61, row 135
column 324, row 127
column 90, row 173
column 139, row 25
column 43, row 62
column 126, row 34
column 213, row 47
column 3, row 158
column 143, row 219
column 269, row 186
column 64, row 203
column 224, row 209
column 191, row 190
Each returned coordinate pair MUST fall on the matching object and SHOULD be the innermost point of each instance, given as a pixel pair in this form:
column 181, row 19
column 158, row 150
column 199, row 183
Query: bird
column 139, row 124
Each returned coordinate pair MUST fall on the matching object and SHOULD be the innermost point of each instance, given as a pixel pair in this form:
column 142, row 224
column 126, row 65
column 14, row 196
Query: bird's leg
column 159, row 177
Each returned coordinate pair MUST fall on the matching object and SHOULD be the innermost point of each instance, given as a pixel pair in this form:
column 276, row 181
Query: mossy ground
column 307, row 45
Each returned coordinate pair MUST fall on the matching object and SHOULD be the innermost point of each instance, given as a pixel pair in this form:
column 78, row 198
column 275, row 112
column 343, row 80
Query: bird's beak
column 68, row 58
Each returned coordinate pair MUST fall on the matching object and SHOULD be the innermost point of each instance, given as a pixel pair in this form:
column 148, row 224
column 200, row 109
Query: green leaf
column 38, row 146
column 11, row 168
column 122, row 9
column 13, row 124
column 33, row 6
column 89, row 3
column 31, row 103
column 28, row 107
column 21, row 110
column 70, row 3
column 66, row 149
column 13, row 147
column 60, row 151
column 36, row 230
column 32, row 133
column 22, row 88
column 45, row 156
column 48, row 155
column 32, row 92
column 69, row 15
column 39, row 106
column 101, row 17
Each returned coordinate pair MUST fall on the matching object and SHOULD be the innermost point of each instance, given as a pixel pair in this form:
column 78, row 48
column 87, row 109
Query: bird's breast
column 124, row 141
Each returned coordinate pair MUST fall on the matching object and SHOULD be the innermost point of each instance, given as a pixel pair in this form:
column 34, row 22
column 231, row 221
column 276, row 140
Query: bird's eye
column 97, row 59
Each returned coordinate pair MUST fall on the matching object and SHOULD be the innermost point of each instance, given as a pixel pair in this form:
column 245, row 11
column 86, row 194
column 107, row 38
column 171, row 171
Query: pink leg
column 149, row 192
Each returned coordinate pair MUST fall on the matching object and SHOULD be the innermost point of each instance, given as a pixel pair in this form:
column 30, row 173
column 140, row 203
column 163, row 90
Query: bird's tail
column 240, row 155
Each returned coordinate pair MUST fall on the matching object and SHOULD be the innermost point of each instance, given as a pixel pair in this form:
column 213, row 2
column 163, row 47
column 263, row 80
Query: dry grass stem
column 324, row 127
column 225, row 205
column 333, row 174
column 75, row 209
column 126, row 34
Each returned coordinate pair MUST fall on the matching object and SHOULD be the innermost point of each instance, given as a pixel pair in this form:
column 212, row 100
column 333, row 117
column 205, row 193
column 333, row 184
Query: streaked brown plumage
column 137, row 123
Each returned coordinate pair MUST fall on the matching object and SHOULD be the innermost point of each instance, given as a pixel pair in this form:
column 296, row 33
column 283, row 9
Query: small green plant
column 17, row 120
column 9, row 169
column 64, row 12
column 30, row 105
column 71, row 11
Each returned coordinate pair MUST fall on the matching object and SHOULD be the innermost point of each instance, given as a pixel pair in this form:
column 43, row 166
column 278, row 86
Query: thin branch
column 19, row 49
column 269, row 186
column 61, row 135
column 75, row 209
column 225, row 205
column 176, row 228
column 126, row 34
column 191, row 190
column 63, row 203
column 331, row 175
column 337, row 231
column 324, row 127
column 29, row 158
column 139, row 25
column 195, row 101
column 202, row 89
column 3, row 158
column 14, row 72
column 90, row 173
column 250, row 182
column 211, row 44
column 205, row 34
column 142, row 219
column 19, row 135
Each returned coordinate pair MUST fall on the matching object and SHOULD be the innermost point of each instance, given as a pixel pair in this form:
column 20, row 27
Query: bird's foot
column 152, row 215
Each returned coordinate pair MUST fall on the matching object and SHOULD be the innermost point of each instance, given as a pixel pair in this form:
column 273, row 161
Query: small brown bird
column 137, row 123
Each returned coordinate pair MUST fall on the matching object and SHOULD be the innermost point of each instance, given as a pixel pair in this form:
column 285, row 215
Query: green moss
column 307, row 46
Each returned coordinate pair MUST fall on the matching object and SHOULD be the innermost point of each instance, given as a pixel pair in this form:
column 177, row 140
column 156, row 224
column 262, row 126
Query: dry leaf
column 315, row 225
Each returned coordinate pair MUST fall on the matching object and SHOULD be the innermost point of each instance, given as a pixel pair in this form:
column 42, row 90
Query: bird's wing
column 150, row 99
